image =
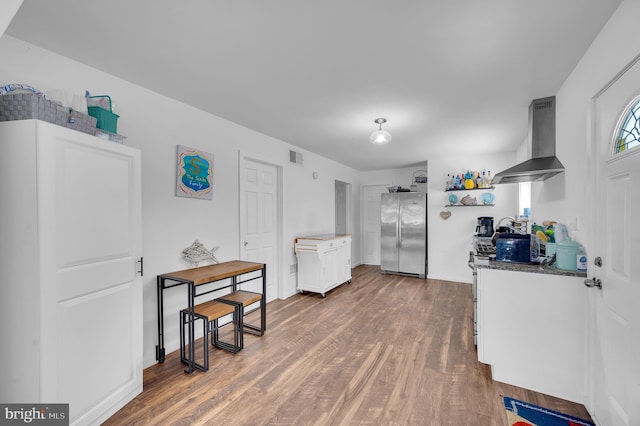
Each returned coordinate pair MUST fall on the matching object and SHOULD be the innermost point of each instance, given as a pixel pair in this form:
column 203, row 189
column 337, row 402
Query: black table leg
column 263, row 301
column 192, row 349
column 160, row 353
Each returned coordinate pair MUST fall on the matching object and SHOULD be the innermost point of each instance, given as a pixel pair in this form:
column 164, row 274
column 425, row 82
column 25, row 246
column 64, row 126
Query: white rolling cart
column 324, row 262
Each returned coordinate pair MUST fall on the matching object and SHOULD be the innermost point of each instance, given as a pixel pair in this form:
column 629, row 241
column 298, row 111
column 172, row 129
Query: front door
column 615, row 332
column 259, row 229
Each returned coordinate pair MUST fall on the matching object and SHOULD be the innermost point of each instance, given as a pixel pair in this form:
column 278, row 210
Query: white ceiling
column 448, row 76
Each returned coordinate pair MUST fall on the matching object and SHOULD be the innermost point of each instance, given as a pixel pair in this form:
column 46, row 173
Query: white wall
column 566, row 197
column 156, row 124
column 450, row 239
column 393, row 177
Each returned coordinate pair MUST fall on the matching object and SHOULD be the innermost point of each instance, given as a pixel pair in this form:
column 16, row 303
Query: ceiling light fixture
column 380, row 137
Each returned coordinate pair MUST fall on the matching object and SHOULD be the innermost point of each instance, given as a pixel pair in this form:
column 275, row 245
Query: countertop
column 536, row 269
column 323, row 237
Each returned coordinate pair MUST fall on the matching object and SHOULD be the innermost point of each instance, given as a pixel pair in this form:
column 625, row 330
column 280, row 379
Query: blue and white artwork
column 195, row 173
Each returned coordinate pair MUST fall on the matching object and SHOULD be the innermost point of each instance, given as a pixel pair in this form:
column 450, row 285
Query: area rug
column 521, row 413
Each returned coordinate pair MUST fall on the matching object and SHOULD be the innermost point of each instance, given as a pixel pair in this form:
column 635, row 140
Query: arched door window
column 628, row 130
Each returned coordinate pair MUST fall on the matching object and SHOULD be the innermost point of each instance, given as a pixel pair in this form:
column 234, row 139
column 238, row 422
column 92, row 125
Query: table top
column 215, row 272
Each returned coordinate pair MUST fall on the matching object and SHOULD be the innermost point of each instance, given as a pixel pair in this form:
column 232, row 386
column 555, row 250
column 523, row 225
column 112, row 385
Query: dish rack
column 483, row 246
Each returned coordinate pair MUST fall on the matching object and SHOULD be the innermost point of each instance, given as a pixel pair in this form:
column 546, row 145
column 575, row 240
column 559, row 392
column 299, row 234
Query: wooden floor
column 383, row 350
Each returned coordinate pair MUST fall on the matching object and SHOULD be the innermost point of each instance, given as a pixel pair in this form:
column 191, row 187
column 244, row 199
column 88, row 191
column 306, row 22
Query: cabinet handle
column 141, row 262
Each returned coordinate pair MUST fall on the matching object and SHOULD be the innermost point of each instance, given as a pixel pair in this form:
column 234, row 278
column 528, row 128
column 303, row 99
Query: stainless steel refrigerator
column 403, row 233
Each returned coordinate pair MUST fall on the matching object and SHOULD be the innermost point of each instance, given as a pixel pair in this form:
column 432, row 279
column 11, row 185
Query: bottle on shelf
column 581, row 260
column 468, row 181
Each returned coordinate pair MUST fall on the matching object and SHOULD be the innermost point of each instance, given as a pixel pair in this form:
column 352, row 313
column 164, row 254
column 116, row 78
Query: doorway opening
column 342, row 195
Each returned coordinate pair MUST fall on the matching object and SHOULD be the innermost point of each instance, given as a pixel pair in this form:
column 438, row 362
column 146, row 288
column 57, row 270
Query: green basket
column 106, row 119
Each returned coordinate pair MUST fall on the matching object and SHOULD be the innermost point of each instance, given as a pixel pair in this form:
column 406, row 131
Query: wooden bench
column 210, row 312
column 241, row 299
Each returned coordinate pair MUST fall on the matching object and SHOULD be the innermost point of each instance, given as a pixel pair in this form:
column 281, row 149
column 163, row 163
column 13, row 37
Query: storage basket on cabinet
column 25, row 106
column 100, row 108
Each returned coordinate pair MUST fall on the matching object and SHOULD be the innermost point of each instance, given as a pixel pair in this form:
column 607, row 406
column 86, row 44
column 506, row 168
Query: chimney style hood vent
column 542, row 134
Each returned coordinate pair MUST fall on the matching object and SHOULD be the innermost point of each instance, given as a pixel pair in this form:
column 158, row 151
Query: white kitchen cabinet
column 71, row 296
column 324, row 262
column 531, row 330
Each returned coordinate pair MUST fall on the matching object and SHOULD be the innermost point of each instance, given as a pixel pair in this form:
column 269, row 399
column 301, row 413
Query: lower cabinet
column 531, row 330
column 324, row 262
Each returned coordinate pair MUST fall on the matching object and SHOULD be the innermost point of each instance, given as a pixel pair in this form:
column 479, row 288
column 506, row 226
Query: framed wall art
column 194, row 177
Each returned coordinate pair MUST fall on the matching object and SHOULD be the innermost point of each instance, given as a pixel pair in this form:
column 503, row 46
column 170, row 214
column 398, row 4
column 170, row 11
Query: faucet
column 511, row 219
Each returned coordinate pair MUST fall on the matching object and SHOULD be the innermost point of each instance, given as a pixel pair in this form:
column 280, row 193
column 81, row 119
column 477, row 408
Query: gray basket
column 25, row 106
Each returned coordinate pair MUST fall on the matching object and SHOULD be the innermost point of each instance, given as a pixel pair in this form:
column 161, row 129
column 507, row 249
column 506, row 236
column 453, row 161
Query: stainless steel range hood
column 542, row 135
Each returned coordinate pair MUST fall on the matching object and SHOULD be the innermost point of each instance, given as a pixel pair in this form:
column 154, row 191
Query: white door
column 259, row 219
column 89, row 202
column 342, row 207
column 615, row 343
column 371, row 223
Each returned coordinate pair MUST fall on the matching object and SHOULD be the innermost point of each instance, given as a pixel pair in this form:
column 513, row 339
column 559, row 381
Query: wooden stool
column 241, row 299
column 210, row 312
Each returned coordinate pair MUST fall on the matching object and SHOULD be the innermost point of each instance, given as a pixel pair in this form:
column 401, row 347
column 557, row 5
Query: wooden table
column 195, row 277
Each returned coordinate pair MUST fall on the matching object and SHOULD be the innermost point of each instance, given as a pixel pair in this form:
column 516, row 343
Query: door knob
column 246, row 243
column 593, row 282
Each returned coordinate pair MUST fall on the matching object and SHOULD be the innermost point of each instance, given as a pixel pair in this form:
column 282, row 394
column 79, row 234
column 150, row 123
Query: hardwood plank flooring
column 383, row 350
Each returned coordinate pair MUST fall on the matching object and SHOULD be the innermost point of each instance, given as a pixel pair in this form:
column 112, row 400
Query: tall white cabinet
column 71, row 291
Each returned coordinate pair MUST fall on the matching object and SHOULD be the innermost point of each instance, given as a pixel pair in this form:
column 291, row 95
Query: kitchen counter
column 324, row 237
column 525, row 267
column 532, row 329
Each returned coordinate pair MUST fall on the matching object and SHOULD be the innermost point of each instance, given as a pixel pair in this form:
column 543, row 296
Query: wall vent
column 295, row 157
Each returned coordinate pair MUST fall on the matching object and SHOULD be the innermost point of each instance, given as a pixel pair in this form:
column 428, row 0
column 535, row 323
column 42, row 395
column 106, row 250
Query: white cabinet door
column 90, row 240
column 343, row 262
column 89, row 294
column 330, row 268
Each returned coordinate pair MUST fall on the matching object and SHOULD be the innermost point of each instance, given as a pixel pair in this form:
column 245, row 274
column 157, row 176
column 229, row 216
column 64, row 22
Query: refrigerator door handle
column 399, row 227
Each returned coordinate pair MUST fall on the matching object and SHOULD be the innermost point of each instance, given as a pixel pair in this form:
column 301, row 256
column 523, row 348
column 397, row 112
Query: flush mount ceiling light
column 380, row 137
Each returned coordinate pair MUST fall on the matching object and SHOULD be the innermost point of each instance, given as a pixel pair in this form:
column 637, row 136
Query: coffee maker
column 484, row 227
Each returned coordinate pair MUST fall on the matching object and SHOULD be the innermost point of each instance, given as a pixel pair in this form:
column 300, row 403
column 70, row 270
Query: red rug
column 521, row 413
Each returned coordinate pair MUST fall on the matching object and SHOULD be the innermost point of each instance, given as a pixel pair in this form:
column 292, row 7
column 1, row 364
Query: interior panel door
column 90, row 233
column 371, row 223
column 259, row 218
